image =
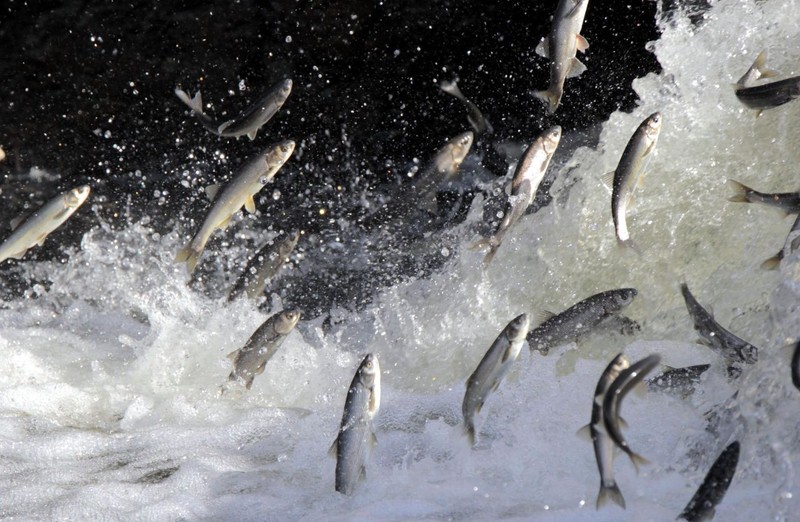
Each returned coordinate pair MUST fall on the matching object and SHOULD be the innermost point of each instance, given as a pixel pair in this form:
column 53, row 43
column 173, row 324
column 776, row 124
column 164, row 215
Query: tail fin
column 636, row 459
column 469, row 429
column 740, row 192
column 189, row 256
column 552, row 100
column 451, row 88
column 196, row 103
column 609, row 491
column 490, row 255
column 628, row 243
column 773, row 262
column 492, row 243
column 761, row 66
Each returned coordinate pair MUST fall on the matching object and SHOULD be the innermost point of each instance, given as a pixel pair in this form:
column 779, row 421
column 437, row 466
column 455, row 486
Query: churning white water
column 109, row 386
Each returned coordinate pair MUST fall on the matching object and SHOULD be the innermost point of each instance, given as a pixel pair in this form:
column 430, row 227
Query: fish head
column 518, row 328
column 450, row 157
column 288, row 245
column 551, row 139
column 623, row 297
column 287, row 321
column 75, row 197
column 749, row 353
column 285, row 89
column 618, row 364
column 277, row 155
column 370, row 376
column 653, row 125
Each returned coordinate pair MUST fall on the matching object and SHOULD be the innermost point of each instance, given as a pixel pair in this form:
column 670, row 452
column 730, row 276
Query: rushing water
column 109, row 391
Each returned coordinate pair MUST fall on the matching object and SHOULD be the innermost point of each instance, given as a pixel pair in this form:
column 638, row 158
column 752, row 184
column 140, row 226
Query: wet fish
column 766, row 95
column 237, row 193
column 627, row 379
column 773, row 262
column 263, row 266
column 731, row 348
column 796, row 366
column 491, row 370
column 678, row 380
column 248, row 122
column 528, row 175
column 579, row 319
column 714, row 486
column 562, row 46
column 474, row 114
column 31, row 231
column 789, row 202
column 630, row 172
column 603, row 445
column 356, row 437
column 251, row 359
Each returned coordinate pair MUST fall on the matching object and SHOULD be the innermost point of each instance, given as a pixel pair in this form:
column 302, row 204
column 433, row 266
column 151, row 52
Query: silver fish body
column 528, row 176
column 33, row 230
column 263, row 266
column 788, row 202
column 562, row 46
column 730, row 347
column 252, row 358
column 356, row 437
column 714, row 486
column 625, row 381
column 250, row 120
column 490, row 371
column 237, row 193
column 629, row 172
column 579, row 319
column 766, row 95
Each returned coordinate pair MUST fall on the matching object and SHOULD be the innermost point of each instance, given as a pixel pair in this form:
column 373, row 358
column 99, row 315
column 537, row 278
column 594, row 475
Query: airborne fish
column 263, row 266
column 766, row 95
column 789, row 202
column 237, row 193
column 528, row 175
column 250, row 121
column 33, row 230
column 629, row 172
column 475, row 116
column 562, row 46
column 580, row 319
column 251, row 359
column 491, row 370
column 714, row 486
column 355, row 433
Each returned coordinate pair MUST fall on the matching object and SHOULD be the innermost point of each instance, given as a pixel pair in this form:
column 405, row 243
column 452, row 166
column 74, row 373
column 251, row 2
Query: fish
column 788, row 202
column 263, row 266
column 731, row 348
column 627, row 379
column 773, row 262
column 32, row 230
column 630, row 172
column 2, row 154
column 562, row 46
column 237, row 193
column 766, row 95
column 474, row 114
column 356, row 436
column 251, row 359
column 796, row 366
column 603, row 445
column 579, row 319
column 248, row 122
column 490, row 371
column 528, row 175
column 714, row 486
column 678, row 380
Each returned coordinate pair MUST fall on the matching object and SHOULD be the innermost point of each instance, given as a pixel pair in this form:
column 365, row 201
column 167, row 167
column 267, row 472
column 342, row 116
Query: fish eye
column 263, row 180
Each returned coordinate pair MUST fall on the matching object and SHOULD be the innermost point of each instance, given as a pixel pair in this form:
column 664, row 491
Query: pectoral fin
column 575, row 7
column 250, row 204
column 211, row 191
column 608, row 179
column 334, row 447
column 581, row 43
column 261, row 368
column 252, row 134
column 224, row 126
column 576, row 68
column 543, row 49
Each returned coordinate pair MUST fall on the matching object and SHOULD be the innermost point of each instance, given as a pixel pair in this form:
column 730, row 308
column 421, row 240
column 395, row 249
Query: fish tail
column 490, row 255
column 628, row 243
column 480, row 244
column 761, row 66
column 740, row 192
column 609, row 491
column 773, row 262
column 189, row 256
column 196, row 103
column 469, row 429
column 548, row 97
column 637, row 460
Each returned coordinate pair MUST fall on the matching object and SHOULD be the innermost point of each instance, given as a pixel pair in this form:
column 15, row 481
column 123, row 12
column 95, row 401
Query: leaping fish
column 474, row 114
column 714, row 486
column 766, row 95
column 248, row 122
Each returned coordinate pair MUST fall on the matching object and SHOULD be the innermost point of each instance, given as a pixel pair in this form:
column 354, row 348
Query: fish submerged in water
column 475, row 116
column 250, row 121
column 766, row 95
column 562, row 46
column 629, row 173
column 580, row 319
column 490, row 371
column 789, row 202
column 714, row 486
column 35, row 228
column 356, row 437
column 252, row 358
column 680, row 381
column 731, row 348
column 528, row 175
column 263, row 266
column 237, row 193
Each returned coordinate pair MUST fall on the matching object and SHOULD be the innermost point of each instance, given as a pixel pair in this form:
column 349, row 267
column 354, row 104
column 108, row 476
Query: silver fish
column 263, row 266
column 474, row 114
column 679, row 381
column 767, row 95
column 251, row 359
column 356, row 437
column 33, row 230
column 788, row 202
column 491, row 370
column 731, row 348
column 562, row 46
column 579, row 319
column 714, row 486
column 612, row 400
column 248, row 122
column 603, row 445
column 528, row 175
column 237, row 193
column 629, row 173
